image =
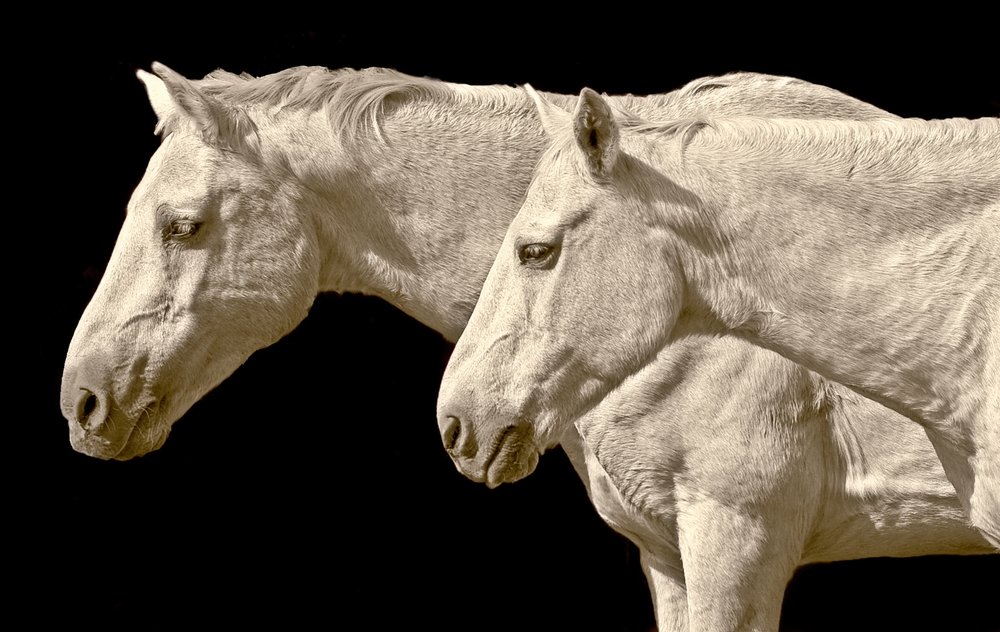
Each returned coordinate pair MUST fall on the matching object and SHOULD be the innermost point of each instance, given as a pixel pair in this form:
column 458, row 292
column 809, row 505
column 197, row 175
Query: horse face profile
column 566, row 269
column 214, row 260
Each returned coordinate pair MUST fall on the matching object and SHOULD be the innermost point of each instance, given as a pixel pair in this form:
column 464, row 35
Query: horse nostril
column 451, row 432
column 86, row 406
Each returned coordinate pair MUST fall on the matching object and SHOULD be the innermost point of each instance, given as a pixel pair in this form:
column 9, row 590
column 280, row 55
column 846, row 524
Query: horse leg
column 984, row 504
column 737, row 564
column 662, row 568
column 976, row 480
column 666, row 586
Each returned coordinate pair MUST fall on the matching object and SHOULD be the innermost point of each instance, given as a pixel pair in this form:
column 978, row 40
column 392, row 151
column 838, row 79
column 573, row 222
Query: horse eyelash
column 170, row 234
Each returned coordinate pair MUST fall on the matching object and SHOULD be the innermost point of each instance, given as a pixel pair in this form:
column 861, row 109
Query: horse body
column 842, row 200
column 734, row 227
column 730, row 506
column 900, row 259
column 856, row 473
column 267, row 191
column 924, row 221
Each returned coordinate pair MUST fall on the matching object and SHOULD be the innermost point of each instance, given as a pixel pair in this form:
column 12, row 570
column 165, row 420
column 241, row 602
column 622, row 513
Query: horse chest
column 649, row 532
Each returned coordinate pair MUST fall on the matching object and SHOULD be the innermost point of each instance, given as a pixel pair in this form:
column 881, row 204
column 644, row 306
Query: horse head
column 216, row 259
column 557, row 324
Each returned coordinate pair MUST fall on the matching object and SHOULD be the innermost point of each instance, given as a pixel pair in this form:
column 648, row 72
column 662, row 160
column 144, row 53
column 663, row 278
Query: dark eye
column 180, row 229
column 535, row 254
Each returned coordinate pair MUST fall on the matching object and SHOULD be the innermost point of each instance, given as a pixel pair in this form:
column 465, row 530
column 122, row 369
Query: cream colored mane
column 355, row 100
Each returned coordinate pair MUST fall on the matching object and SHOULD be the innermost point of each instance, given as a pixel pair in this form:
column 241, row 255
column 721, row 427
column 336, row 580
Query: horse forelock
column 560, row 150
column 354, row 100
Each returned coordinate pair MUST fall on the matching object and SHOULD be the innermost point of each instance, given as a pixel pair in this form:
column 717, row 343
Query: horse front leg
column 737, row 564
column 666, row 586
column 976, row 480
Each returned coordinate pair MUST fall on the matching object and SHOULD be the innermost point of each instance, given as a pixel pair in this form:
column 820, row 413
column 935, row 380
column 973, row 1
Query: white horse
column 867, row 251
column 267, row 191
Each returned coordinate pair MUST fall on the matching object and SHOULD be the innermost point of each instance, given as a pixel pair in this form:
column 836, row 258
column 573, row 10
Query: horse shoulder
column 886, row 492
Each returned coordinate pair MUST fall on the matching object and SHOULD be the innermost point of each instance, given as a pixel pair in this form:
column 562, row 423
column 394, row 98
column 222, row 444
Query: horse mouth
column 141, row 442
column 512, row 458
column 147, row 434
column 135, row 438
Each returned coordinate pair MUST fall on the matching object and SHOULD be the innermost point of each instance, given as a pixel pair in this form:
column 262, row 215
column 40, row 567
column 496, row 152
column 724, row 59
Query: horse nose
column 456, row 435
column 85, row 398
column 91, row 408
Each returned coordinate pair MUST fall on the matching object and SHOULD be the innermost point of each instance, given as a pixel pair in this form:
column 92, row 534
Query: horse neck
column 415, row 213
column 418, row 220
column 848, row 261
column 441, row 191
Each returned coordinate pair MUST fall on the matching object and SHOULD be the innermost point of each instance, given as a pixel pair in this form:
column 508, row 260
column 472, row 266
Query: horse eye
column 181, row 229
column 535, row 254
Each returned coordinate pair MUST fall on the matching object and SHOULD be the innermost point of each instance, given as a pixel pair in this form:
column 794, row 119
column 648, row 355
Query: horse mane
column 354, row 100
column 562, row 149
column 624, row 104
column 889, row 148
column 695, row 121
column 883, row 148
column 687, row 128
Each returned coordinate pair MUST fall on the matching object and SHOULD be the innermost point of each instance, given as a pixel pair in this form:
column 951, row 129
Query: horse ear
column 159, row 98
column 219, row 123
column 552, row 116
column 596, row 132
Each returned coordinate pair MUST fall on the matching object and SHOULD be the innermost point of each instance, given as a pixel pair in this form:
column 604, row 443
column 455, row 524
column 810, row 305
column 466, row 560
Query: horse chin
column 95, row 446
column 143, row 441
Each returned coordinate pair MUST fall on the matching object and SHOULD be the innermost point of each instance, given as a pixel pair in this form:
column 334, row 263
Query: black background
column 311, row 486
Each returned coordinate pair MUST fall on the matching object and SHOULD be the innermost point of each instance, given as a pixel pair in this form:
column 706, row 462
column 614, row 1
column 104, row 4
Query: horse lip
column 497, row 445
column 124, row 444
column 494, row 479
column 480, row 471
column 146, row 418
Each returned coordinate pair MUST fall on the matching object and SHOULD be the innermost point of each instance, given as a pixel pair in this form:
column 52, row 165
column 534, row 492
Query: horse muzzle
column 98, row 426
column 506, row 455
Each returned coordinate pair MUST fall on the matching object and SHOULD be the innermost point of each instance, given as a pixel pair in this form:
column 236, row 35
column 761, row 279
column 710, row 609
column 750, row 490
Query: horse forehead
column 179, row 169
column 556, row 201
column 558, row 179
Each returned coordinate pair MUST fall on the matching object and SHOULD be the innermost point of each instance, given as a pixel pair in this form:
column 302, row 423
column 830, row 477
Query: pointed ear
column 220, row 124
column 159, row 98
column 596, row 132
column 553, row 117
